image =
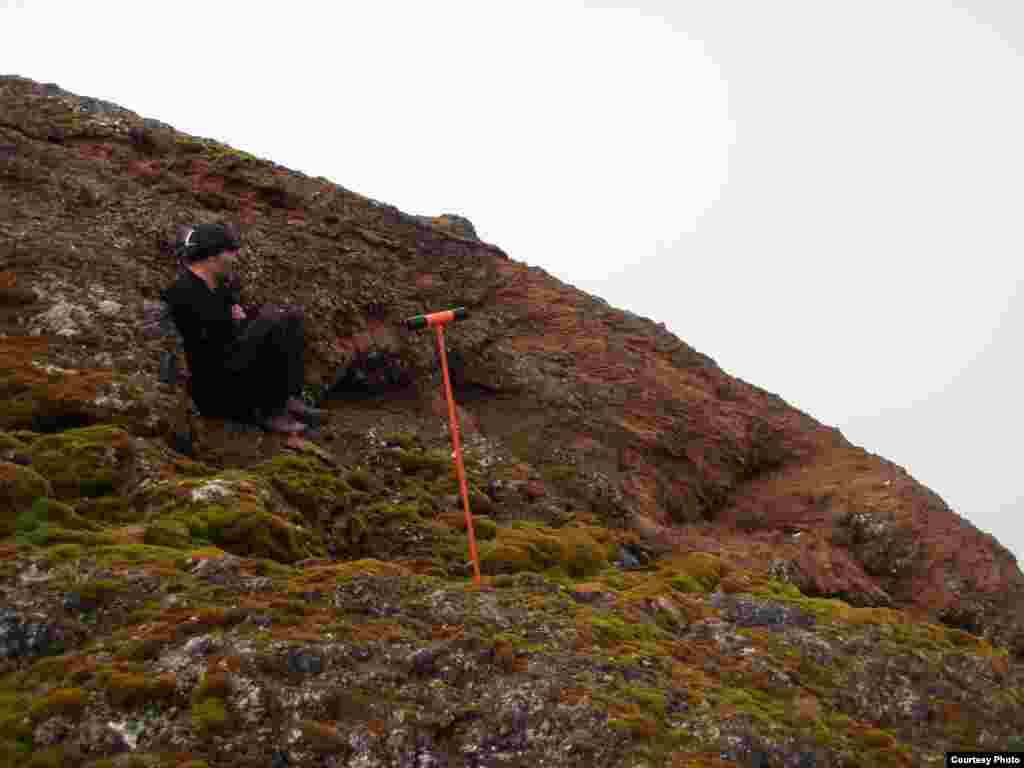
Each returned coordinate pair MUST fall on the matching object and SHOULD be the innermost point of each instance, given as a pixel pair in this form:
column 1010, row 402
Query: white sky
column 825, row 197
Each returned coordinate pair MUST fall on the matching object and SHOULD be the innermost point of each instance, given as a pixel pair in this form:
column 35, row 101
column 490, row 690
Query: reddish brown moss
column 62, row 701
column 131, row 689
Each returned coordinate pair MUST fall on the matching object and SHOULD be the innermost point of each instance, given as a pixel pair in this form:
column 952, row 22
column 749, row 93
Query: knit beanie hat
column 208, row 240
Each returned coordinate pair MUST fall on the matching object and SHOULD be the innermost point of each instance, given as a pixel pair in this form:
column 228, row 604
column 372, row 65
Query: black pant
column 266, row 368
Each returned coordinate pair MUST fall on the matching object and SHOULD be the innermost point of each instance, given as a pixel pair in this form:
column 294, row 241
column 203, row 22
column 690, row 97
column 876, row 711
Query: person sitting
column 244, row 369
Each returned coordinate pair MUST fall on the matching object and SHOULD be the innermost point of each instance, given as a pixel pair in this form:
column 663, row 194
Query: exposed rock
column 756, row 613
column 22, row 636
column 302, row 662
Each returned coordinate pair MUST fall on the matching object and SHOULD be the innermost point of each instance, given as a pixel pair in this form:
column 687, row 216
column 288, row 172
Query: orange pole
column 460, row 470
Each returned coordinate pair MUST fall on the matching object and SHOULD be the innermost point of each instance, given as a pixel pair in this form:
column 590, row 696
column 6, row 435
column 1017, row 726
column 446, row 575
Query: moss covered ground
column 322, row 608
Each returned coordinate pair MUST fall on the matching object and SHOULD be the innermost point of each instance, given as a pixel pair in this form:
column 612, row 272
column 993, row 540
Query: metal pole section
column 459, row 469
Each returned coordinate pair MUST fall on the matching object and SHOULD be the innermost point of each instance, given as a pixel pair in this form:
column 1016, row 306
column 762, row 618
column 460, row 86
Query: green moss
column 8, row 442
column 50, row 757
column 484, row 529
column 686, row 583
column 130, row 689
column 961, row 639
column 11, row 705
column 401, row 532
column 521, row 444
column 780, row 589
column 108, row 509
column 118, row 554
column 168, row 533
column 95, row 486
column 272, row 568
column 86, row 462
column 480, row 503
column 322, row 737
column 560, row 473
column 308, row 484
column 329, row 576
column 407, row 441
column 217, row 151
column 62, row 701
column 610, row 630
column 756, row 703
column 210, row 716
column 242, row 527
column 214, row 685
column 45, row 510
column 99, row 591
column 62, row 553
column 652, row 700
column 697, row 572
column 65, row 670
column 526, row 546
column 19, row 488
column 641, row 728
column 49, row 521
column 361, row 480
column 430, row 464
column 25, row 436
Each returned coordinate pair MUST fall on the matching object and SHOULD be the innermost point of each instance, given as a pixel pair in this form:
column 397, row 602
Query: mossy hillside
column 243, row 528
column 87, row 462
column 403, row 532
column 32, row 391
column 214, row 150
column 747, row 691
column 895, row 629
column 389, row 514
column 51, row 521
column 51, row 511
column 19, row 488
column 484, row 528
column 575, row 550
column 666, row 693
column 394, row 505
column 628, row 640
column 630, row 654
column 234, row 510
column 408, row 465
column 10, row 443
column 310, row 485
column 411, row 667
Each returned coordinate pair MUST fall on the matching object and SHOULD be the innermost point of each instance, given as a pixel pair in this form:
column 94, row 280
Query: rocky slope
column 680, row 568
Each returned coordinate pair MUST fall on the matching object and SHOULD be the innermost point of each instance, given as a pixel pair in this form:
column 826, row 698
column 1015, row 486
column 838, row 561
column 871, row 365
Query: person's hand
column 237, row 313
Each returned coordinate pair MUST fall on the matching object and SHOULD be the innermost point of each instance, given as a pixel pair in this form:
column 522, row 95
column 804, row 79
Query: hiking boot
column 312, row 417
column 282, row 422
column 297, row 407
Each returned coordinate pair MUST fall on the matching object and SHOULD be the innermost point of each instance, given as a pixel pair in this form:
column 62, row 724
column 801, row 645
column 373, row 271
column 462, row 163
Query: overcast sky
column 825, row 197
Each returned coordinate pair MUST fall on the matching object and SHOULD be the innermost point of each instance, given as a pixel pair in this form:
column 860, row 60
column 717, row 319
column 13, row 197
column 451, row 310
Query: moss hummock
column 19, row 488
column 575, row 550
column 89, row 462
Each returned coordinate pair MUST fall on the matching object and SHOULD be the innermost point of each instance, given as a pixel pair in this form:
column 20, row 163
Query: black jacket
column 203, row 317
column 237, row 367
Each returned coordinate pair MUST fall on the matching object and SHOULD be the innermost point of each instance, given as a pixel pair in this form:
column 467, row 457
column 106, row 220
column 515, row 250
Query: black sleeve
column 203, row 318
column 184, row 313
column 233, row 288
